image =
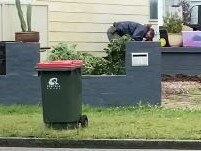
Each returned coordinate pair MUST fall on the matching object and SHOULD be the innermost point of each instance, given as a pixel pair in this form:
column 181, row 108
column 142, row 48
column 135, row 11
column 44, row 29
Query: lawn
column 140, row 122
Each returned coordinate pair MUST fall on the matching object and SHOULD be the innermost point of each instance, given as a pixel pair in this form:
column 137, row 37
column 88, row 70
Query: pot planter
column 32, row 36
column 175, row 39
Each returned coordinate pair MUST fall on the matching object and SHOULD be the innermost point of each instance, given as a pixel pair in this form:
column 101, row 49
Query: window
column 153, row 9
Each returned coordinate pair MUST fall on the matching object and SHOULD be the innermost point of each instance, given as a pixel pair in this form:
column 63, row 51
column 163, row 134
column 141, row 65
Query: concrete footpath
column 100, row 143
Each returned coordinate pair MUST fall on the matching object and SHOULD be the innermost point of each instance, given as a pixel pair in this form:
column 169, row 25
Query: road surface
column 81, row 149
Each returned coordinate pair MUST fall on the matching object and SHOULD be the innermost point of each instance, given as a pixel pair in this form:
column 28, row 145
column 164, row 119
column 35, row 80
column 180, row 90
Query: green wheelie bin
column 61, row 87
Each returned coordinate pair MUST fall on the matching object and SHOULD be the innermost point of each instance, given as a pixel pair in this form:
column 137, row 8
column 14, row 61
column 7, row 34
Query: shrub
column 172, row 23
column 112, row 64
column 116, row 55
column 66, row 51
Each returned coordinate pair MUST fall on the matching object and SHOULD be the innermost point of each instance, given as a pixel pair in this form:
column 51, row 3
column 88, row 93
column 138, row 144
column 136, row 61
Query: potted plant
column 26, row 35
column 173, row 24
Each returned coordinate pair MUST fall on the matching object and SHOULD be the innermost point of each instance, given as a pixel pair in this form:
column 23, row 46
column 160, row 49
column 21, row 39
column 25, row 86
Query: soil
column 181, row 77
column 181, row 91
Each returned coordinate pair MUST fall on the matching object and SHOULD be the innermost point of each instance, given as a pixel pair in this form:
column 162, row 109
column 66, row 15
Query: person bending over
column 136, row 31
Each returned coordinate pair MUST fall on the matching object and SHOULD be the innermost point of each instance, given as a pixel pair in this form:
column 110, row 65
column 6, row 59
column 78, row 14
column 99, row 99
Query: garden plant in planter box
column 173, row 24
column 26, row 35
column 112, row 64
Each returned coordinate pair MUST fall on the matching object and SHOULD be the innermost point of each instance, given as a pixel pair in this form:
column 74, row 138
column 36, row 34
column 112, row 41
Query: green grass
column 196, row 95
column 119, row 122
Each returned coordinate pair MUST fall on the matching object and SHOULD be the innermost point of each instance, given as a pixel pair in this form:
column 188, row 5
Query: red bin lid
column 60, row 64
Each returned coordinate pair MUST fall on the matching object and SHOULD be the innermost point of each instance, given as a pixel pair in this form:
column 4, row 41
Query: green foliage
column 112, row 64
column 29, row 13
column 63, row 51
column 92, row 65
column 172, row 23
column 21, row 16
column 116, row 55
column 19, row 109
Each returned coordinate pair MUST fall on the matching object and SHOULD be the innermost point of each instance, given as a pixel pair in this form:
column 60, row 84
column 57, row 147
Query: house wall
column 9, row 22
column 85, row 22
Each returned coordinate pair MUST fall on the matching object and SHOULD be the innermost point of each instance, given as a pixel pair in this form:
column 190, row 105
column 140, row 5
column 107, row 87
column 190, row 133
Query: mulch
column 180, row 77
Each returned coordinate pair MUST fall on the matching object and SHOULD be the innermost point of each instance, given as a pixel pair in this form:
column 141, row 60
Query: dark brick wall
column 180, row 60
column 21, row 84
column 140, row 84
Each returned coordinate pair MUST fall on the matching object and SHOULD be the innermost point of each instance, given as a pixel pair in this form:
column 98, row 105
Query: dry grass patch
column 185, row 94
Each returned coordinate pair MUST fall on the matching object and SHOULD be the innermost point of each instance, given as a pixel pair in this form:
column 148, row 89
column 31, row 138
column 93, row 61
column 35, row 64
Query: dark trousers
column 112, row 34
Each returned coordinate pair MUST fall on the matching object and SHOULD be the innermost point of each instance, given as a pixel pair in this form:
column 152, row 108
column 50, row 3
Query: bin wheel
column 84, row 121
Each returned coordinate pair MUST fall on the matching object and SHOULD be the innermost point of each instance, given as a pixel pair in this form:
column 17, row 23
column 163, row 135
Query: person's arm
column 138, row 34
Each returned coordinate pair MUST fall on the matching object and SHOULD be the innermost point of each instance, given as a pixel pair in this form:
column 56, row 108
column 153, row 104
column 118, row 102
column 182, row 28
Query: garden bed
column 181, row 91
